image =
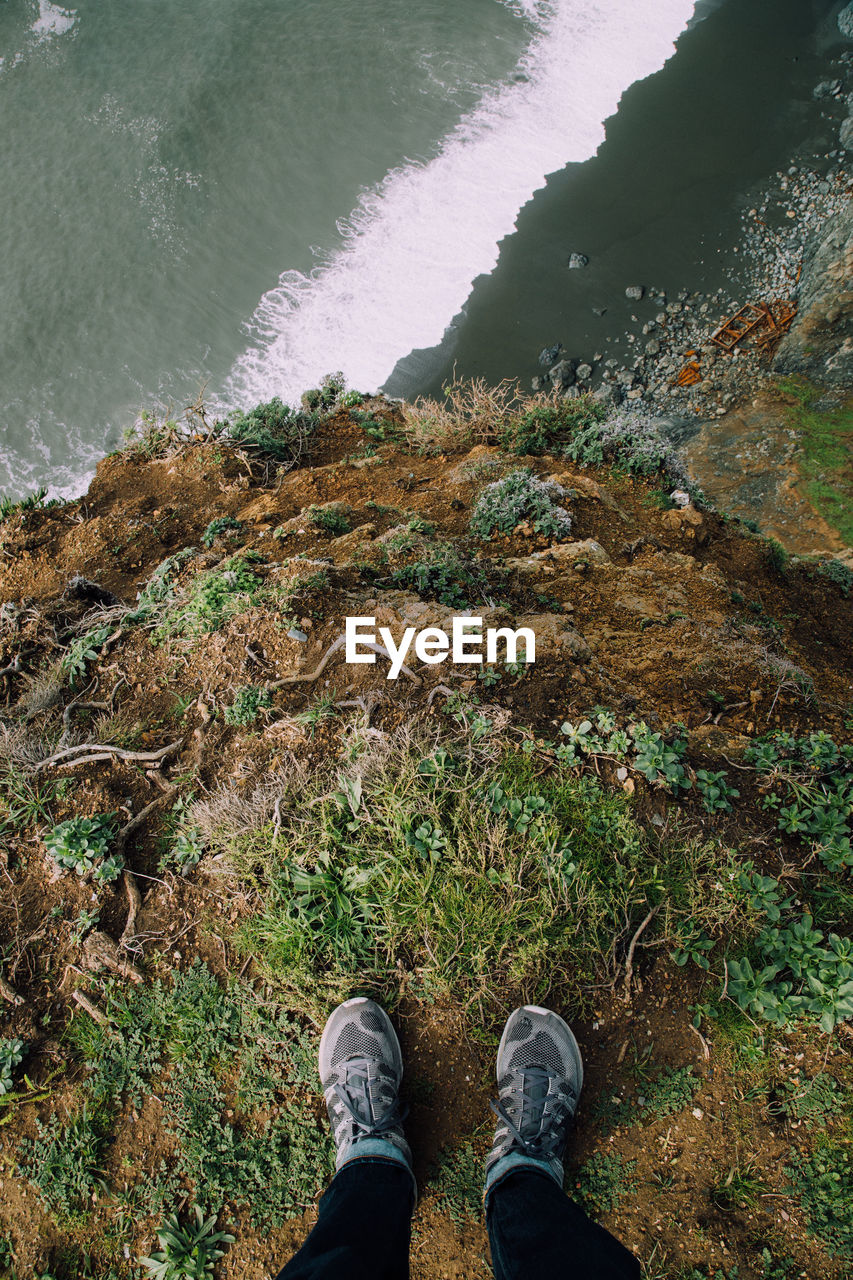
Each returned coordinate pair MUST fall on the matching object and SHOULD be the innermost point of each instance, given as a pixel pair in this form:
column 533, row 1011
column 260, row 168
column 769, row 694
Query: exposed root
column 90, row 1007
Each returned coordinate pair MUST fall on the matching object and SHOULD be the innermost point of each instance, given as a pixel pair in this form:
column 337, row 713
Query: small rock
column 845, row 134
column 296, row 634
column 635, row 292
column 827, row 89
column 548, row 355
column 578, row 260
column 583, row 372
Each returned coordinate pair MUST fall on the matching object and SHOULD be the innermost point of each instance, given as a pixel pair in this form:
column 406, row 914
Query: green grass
column 459, row 868
column 602, row 1182
column 237, row 1080
column 458, row 1183
column 826, row 440
column 211, row 598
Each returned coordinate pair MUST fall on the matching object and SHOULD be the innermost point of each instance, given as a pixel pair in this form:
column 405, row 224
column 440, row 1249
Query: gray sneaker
column 540, row 1075
column 361, row 1067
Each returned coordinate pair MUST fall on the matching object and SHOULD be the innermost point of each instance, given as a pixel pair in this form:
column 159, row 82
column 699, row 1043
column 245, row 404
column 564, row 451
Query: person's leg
column 534, row 1229
column 362, row 1231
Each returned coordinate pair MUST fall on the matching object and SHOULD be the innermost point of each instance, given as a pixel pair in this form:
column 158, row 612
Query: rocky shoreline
column 796, row 251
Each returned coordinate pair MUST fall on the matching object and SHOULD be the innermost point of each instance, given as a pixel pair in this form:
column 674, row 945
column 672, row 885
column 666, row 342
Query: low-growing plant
column 543, row 425
column 811, row 791
column 331, row 519
column 218, row 526
column 11, row 1056
column 603, row 1181
column 716, row 793
column 838, row 572
column 630, row 439
column 321, row 709
column 442, row 574
column 64, row 1163
column 83, row 650
column 669, row 1092
column 187, row 1253
column 796, row 976
column 212, row 597
column 823, row 1181
column 82, row 844
column 521, row 497
column 738, row 1189
column 458, row 1184
column 182, row 845
column 273, row 430
column 249, row 701
column 213, row 1049
column 814, row 1101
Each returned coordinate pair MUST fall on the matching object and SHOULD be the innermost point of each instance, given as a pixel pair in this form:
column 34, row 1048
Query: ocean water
column 242, row 195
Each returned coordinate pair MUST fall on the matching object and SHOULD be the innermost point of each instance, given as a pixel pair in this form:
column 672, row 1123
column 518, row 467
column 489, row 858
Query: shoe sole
column 553, row 1017
column 351, row 1004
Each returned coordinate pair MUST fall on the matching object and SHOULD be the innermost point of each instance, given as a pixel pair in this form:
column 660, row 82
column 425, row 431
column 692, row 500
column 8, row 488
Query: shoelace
column 360, row 1096
column 541, row 1144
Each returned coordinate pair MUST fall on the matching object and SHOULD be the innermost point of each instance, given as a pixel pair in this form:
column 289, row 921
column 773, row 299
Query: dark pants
column 535, row 1231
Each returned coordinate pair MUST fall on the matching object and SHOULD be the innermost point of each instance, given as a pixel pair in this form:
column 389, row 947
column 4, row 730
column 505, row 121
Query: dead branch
column 629, row 962
column 134, row 902
column 324, row 661
column 90, row 1007
column 82, row 754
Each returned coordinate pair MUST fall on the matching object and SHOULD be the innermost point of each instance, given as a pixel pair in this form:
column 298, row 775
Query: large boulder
column 819, row 344
column 845, row 21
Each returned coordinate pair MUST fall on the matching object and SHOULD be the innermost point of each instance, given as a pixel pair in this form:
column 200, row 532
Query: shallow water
column 244, row 195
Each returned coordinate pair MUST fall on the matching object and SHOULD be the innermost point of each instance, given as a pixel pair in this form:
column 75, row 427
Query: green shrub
column 82, row 845
column 716, row 794
column 249, row 701
column 811, row 791
column 330, row 519
column 546, row 424
column 82, row 651
column 839, row 573
column 796, row 976
column 521, row 497
column 182, row 844
column 11, row 1056
column 631, row 439
column 443, row 575
column 218, row 526
column 273, row 430
column 212, row 598
column 186, row 1253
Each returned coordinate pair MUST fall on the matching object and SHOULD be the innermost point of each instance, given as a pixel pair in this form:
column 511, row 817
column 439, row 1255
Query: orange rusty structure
column 764, row 322
column 688, row 375
column 739, row 326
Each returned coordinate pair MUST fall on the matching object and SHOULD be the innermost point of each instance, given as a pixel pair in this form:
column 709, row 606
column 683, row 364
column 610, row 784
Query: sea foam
column 410, row 252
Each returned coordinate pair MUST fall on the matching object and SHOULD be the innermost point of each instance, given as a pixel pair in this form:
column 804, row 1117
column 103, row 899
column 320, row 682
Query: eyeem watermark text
column 432, row 645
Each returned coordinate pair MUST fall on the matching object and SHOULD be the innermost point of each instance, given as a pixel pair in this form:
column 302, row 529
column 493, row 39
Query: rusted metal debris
column 688, row 375
column 764, row 322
